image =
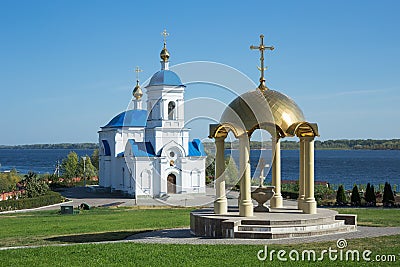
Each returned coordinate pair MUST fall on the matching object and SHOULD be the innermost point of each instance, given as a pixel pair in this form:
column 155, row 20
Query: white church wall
column 119, row 143
column 194, row 175
column 129, row 172
column 105, row 171
column 144, row 177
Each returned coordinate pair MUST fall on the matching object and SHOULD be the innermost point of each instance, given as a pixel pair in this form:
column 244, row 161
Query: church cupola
column 164, row 54
column 137, row 92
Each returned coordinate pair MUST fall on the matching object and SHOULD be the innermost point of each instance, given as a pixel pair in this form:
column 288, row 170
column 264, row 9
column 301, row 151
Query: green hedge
column 29, row 203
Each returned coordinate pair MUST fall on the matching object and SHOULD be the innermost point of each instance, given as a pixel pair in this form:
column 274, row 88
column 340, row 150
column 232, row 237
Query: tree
column 95, row 158
column 231, row 172
column 355, row 196
column 33, row 186
column 210, row 166
column 8, row 181
column 341, row 196
column 90, row 170
column 373, row 195
column 388, row 196
column 370, row 197
column 69, row 165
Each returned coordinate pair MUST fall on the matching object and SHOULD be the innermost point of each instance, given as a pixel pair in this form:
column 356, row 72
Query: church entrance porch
column 171, row 184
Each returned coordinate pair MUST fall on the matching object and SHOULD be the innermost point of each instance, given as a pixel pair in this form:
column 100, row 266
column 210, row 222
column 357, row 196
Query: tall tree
column 370, row 197
column 388, row 196
column 69, row 165
column 341, row 196
column 355, row 196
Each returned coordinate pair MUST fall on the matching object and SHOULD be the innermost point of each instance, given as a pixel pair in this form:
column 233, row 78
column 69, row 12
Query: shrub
column 341, row 196
column 388, row 197
column 34, row 187
column 355, row 196
column 29, row 203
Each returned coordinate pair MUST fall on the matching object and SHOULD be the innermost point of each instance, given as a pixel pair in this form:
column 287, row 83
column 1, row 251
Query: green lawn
column 116, row 223
column 97, row 224
column 129, row 254
column 374, row 216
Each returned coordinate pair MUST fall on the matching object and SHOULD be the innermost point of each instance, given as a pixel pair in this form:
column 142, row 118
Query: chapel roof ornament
column 261, row 48
column 137, row 91
column 164, row 52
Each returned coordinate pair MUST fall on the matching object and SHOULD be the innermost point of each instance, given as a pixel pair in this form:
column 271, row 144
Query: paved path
column 183, row 236
column 79, row 195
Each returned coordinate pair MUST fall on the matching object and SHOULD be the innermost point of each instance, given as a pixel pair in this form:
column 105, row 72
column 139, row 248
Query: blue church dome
column 129, row 118
column 165, row 77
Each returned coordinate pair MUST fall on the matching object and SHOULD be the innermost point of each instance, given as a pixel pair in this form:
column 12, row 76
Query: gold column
column 309, row 205
column 220, row 204
column 246, row 204
column 276, row 201
column 300, row 199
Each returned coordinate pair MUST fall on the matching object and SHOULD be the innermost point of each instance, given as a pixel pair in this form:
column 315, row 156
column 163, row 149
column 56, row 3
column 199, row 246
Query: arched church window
column 171, row 110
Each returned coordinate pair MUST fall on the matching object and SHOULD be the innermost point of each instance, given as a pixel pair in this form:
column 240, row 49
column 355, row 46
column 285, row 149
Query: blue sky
column 66, row 67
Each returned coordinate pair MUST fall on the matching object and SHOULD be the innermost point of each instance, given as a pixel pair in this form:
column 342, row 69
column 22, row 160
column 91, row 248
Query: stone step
column 269, row 235
column 291, row 228
column 304, row 221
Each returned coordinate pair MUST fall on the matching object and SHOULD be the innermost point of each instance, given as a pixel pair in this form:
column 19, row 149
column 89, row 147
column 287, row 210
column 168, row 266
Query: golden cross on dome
column 137, row 70
column 262, row 47
column 165, row 34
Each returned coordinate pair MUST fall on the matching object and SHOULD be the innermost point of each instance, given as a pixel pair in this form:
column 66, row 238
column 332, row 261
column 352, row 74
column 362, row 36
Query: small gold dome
column 137, row 91
column 164, row 54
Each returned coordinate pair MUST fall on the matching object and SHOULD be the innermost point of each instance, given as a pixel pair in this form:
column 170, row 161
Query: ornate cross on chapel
column 164, row 53
column 262, row 47
column 137, row 91
column 165, row 34
column 137, row 70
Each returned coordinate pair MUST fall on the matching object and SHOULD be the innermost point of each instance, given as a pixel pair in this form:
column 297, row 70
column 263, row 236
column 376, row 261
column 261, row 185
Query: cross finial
column 262, row 47
column 165, row 34
column 137, row 70
column 137, row 91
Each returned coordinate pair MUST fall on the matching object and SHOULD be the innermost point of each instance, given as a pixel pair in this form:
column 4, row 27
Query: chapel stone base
column 276, row 224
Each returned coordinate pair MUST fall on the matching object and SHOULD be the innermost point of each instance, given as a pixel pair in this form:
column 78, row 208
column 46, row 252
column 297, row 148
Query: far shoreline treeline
column 344, row 144
column 53, row 146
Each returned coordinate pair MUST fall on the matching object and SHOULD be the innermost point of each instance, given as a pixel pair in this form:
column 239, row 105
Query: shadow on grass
column 96, row 237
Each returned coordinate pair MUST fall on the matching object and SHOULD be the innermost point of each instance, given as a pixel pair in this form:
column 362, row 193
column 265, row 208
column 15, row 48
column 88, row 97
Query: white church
column 147, row 152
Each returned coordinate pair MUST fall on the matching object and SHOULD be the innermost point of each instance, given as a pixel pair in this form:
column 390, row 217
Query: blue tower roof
column 165, row 77
column 129, row 118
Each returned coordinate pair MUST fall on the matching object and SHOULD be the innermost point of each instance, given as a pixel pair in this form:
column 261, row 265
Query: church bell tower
column 165, row 105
